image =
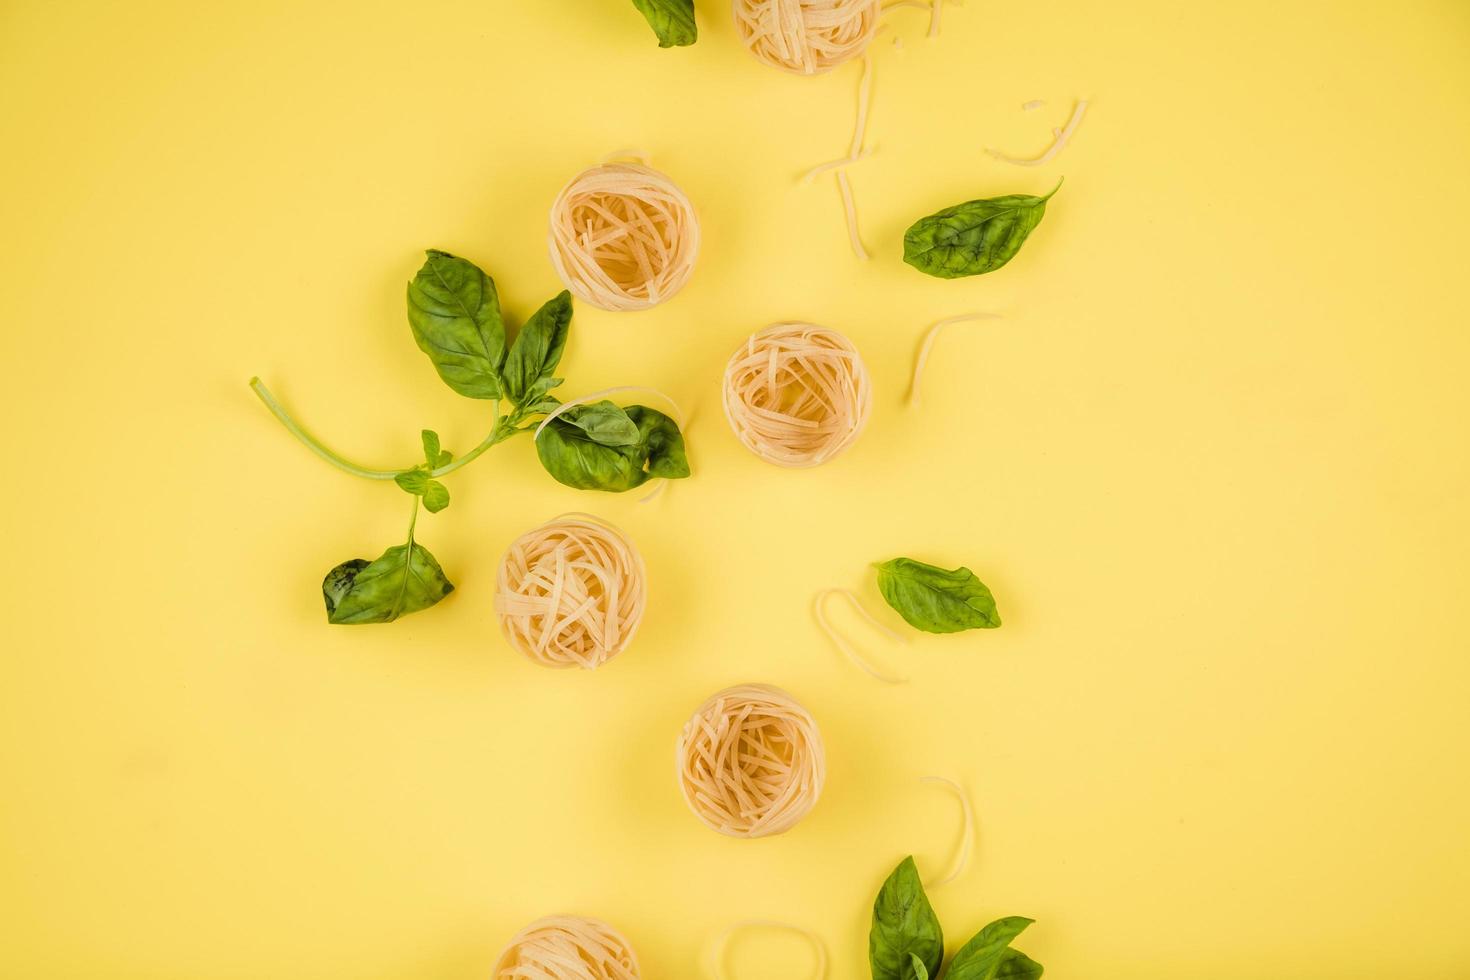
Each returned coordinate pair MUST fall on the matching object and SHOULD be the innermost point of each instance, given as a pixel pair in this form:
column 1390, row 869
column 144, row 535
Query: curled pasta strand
column 1062, row 137
column 927, row 344
column 721, row 945
column 966, row 844
column 839, row 641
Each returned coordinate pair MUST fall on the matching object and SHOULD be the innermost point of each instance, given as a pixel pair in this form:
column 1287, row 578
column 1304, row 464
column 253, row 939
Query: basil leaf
column 920, row 971
column 537, row 351
column 982, row 956
column 975, row 237
column 455, row 315
column 904, row 927
column 1016, row 965
column 934, row 600
column 671, row 20
column 575, row 459
column 405, row 579
column 433, row 455
column 604, row 423
column 436, row 497
column 414, row 481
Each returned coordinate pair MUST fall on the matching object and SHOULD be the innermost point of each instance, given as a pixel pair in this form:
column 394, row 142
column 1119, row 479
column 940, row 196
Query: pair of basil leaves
column 454, row 313
column 934, row 599
column 907, row 943
column 973, row 238
column 671, row 20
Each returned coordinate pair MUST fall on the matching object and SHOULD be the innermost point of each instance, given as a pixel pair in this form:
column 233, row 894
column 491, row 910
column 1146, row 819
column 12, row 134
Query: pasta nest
column 568, row 947
column 623, row 236
column 571, row 592
column 806, row 37
column 797, row 395
column 751, row 762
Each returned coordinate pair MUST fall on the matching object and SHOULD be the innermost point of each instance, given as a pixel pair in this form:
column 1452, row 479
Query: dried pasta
column 751, row 762
column 797, row 395
column 806, row 37
column 717, row 955
column 568, row 947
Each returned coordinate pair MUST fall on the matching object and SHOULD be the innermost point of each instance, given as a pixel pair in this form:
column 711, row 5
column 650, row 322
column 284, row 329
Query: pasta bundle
column 806, row 37
column 570, row 593
column 751, row 762
column 623, row 237
column 568, row 947
column 796, row 394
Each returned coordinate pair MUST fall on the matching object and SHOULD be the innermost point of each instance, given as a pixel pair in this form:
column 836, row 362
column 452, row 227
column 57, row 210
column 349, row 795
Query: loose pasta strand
column 963, row 848
column 849, row 210
column 927, row 345
column 1058, row 143
column 721, row 945
column 839, row 641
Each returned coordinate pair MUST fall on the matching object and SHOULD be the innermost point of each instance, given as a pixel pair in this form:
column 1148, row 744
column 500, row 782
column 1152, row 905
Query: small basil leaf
column 604, row 423
column 431, row 446
column 574, row 459
column 659, row 435
column 982, row 956
column 904, row 926
column 975, row 237
column 537, row 350
column 436, row 497
column 413, row 481
column 455, row 315
column 671, row 20
column 1016, row 965
column 339, row 582
column 934, row 600
column 405, row 579
column 919, row 970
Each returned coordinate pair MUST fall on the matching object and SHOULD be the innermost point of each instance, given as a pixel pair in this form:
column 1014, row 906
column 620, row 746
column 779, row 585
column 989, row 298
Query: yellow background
column 1213, row 463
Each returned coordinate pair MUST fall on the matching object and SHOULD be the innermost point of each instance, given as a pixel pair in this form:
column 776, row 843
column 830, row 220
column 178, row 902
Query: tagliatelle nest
column 623, row 237
column 806, row 37
column 751, row 762
column 568, row 947
column 797, row 395
column 571, row 592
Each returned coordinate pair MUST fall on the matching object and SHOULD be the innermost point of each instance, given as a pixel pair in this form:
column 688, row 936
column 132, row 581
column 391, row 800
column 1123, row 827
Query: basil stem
column 499, row 432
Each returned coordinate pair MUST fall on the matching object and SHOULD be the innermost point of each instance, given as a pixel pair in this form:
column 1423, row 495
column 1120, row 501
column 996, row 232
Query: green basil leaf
column 414, row 481
column 920, row 971
column 573, row 458
column 934, row 600
column 436, row 497
column 604, row 423
column 433, row 455
column 1016, row 965
column 339, row 582
column 405, row 579
column 537, row 351
column 975, row 237
column 455, row 315
column 671, row 20
column 982, row 956
column 904, row 926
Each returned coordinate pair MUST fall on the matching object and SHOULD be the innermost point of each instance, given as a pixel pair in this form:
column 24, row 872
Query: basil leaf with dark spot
column 982, row 957
column 575, row 459
column 537, row 351
column 455, row 315
column 975, row 237
column 671, row 20
column 404, row 580
column 904, row 926
column 935, row 600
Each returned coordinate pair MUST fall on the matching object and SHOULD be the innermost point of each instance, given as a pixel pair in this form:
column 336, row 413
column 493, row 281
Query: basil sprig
column 905, row 941
column 671, row 20
column 936, row 600
column 455, row 317
column 975, row 237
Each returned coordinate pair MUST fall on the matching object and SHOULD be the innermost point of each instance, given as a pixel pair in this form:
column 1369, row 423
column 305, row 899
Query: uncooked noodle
column 796, row 394
column 927, row 345
column 717, row 956
column 806, row 37
column 623, row 236
column 568, row 947
column 819, row 610
column 571, row 592
column 961, row 859
column 751, row 762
